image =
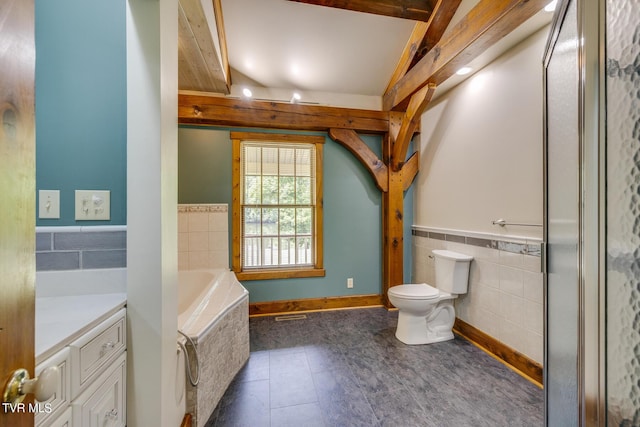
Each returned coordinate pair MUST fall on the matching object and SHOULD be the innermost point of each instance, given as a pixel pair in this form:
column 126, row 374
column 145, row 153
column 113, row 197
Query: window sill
column 280, row 274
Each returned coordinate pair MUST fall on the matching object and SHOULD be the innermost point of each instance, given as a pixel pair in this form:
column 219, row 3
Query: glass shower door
column 562, row 225
column 623, row 213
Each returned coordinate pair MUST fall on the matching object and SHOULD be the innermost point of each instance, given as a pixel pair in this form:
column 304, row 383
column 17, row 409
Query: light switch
column 92, row 205
column 49, row 204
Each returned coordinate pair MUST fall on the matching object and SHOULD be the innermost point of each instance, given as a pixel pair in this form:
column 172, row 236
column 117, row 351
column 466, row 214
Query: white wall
column 481, row 151
column 152, row 218
column 481, row 148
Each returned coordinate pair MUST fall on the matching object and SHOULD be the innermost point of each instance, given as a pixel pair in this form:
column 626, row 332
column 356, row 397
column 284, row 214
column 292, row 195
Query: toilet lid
column 419, row 291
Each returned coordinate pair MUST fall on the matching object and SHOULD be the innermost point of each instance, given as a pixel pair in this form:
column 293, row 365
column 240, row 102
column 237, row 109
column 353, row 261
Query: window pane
column 304, row 250
column 287, row 161
column 270, row 190
column 269, row 161
column 303, row 220
column 303, row 162
column 251, row 252
column 251, row 190
column 270, row 251
column 287, row 190
column 251, row 160
column 303, row 191
column 269, row 222
column 251, row 222
column 287, row 221
column 287, row 250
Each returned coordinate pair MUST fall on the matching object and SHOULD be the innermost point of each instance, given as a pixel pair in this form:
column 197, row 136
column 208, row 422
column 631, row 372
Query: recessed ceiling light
column 247, row 92
column 551, row 6
column 463, row 71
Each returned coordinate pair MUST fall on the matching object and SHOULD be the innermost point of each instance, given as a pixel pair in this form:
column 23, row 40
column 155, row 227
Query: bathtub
column 213, row 310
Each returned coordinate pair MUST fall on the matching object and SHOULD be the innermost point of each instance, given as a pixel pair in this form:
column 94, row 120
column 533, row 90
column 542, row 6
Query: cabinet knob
column 42, row 387
column 112, row 414
column 106, row 347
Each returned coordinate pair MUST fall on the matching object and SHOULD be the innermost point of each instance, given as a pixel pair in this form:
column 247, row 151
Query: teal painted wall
column 352, row 214
column 81, row 104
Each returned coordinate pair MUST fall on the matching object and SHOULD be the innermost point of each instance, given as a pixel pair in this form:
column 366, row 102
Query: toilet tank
column 452, row 271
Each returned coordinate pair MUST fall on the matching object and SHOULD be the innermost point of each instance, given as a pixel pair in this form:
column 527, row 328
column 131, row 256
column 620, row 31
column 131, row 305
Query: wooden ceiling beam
column 440, row 20
column 484, row 25
column 409, row 52
column 199, row 109
column 410, row 122
column 410, row 170
column 350, row 140
column 424, row 36
column 417, row 10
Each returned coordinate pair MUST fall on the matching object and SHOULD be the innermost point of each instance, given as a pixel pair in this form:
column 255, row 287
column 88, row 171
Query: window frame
column 285, row 272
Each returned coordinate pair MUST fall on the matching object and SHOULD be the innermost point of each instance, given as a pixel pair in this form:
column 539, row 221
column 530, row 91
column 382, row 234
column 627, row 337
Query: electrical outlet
column 350, row 282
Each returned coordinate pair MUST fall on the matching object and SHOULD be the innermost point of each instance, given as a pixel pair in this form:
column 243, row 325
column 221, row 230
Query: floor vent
column 291, row 317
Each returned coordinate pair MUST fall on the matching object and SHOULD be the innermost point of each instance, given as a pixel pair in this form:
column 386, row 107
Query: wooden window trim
column 281, row 272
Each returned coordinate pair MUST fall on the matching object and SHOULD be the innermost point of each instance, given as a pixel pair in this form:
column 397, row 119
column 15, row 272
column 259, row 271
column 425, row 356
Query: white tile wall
column 203, row 236
column 505, row 293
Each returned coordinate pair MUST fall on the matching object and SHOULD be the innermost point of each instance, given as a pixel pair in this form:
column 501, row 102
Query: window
column 277, row 205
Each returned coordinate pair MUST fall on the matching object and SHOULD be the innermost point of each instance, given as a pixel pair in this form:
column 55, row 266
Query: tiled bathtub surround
column 221, row 354
column 81, row 248
column 203, row 236
column 505, row 294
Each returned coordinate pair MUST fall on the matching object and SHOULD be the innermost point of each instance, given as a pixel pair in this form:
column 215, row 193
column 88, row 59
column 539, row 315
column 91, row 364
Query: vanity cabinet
column 93, row 379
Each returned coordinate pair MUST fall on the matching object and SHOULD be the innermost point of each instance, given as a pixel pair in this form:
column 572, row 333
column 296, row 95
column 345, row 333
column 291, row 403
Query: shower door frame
column 591, row 351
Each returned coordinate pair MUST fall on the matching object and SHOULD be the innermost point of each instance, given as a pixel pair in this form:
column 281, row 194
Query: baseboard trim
column 186, row 421
column 313, row 304
column 521, row 363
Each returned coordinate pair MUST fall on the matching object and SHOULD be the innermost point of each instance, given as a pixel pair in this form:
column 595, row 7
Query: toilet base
column 433, row 328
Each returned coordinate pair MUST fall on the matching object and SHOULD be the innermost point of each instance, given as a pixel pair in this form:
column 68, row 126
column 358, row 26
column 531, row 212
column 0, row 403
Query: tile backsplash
column 203, row 236
column 81, row 248
column 505, row 296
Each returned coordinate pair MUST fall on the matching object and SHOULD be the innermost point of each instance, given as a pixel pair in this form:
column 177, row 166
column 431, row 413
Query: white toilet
column 426, row 314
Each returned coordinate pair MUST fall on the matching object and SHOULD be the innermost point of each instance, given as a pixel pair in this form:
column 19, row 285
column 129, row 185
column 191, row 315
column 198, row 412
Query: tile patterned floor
column 346, row 368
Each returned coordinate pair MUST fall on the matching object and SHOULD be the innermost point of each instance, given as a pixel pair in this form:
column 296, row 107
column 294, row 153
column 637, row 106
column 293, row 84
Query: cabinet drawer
column 53, row 407
column 91, row 354
column 64, row 420
column 103, row 403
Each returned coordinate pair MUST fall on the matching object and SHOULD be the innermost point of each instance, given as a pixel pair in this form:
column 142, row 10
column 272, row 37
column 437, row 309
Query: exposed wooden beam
column 425, row 35
column 352, row 142
column 440, row 21
column 222, row 38
column 198, row 65
column 392, row 227
column 417, row 10
column 199, row 109
column 488, row 22
column 410, row 170
column 410, row 122
column 409, row 52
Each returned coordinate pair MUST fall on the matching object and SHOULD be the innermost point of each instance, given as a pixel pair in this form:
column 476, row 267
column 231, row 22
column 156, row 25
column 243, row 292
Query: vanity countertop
column 62, row 319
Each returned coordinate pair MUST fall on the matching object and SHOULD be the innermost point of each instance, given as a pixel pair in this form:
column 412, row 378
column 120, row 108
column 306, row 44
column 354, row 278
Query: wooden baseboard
column 314, row 304
column 511, row 357
column 186, row 421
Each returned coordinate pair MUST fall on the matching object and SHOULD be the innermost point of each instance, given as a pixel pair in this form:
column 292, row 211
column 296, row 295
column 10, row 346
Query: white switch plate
column 49, row 204
column 92, row 205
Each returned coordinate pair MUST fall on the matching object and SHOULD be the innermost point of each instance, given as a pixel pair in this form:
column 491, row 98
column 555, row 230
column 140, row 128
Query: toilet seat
column 420, row 291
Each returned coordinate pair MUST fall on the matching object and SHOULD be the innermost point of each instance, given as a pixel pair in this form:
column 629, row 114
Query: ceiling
column 275, row 47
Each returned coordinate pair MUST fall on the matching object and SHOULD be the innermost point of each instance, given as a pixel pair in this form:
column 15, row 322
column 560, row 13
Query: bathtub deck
column 345, row 368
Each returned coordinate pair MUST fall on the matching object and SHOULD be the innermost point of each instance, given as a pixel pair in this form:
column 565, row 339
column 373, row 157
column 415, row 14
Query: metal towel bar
column 501, row 222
